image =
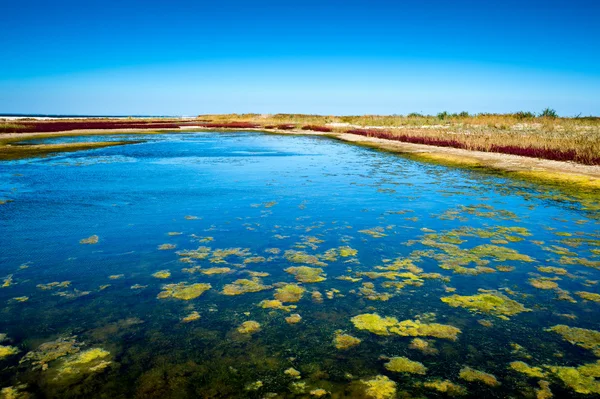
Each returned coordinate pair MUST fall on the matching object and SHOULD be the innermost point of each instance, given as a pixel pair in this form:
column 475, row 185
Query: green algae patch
column 191, row 317
column 543, row 283
column 459, row 260
column 580, row 379
column 588, row 296
column 473, row 375
column 275, row 304
column 90, row 361
column 90, row 240
column 552, row 270
column 446, row 386
column 346, row 252
column 166, row 247
column 416, row 328
column 543, row 392
column 302, row 257
column 215, row 270
column 162, row 274
column 376, row 324
column 401, row 364
column 379, row 387
column 7, row 350
column 293, row 319
column 244, row 286
column 249, row 327
column 53, row 285
column 7, row 281
column 375, row 232
column 183, row 291
column 305, row 274
column 587, row 339
column 524, row 368
column 289, row 293
column 199, row 253
column 493, row 303
column 343, row 341
column 426, row 347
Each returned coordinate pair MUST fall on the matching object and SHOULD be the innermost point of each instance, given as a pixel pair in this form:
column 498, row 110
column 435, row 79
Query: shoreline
column 558, row 172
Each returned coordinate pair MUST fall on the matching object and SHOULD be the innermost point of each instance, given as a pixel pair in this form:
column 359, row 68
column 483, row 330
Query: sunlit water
column 266, row 195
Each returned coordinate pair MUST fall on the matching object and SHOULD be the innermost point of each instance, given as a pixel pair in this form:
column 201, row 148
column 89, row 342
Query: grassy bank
column 12, row 152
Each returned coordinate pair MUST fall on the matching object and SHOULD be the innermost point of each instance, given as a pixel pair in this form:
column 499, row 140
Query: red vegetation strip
column 285, row 127
column 47, row 127
column 532, row 152
column 317, row 128
column 235, row 125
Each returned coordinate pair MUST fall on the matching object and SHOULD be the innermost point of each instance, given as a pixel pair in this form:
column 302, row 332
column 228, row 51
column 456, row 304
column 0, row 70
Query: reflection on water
column 251, row 265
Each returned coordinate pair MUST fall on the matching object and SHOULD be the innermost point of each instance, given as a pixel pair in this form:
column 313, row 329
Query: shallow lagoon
column 89, row 319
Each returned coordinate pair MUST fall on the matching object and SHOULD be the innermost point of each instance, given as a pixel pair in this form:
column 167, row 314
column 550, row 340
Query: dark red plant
column 317, row 128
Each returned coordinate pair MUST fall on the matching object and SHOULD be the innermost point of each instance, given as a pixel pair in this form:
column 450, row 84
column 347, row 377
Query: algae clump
column 408, row 328
column 472, row 375
column 86, row 362
column 191, row 317
column 243, row 286
column 492, row 303
column 305, row 274
column 6, row 350
column 249, row 327
column 303, row 257
column 588, row 339
column 293, row 319
column 292, row 372
column 374, row 323
column 347, row 252
column 403, row 364
column 162, row 274
column 215, row 270
column 289, row 293
column 344, row 341
column 380, row 387
column 543, row 283
column 588, row 296
column 183, row 291
column 275, row 304
column 577, row 378
column 90, row 240
column 524, row 368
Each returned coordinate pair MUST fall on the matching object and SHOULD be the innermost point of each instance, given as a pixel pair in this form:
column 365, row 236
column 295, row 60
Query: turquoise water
column 101, row 330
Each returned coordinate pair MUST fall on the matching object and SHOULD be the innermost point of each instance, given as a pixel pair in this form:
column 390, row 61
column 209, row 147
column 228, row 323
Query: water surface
column 257, row 205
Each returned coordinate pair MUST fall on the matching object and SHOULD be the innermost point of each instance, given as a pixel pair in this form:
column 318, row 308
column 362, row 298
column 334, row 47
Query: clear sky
column 327, row 57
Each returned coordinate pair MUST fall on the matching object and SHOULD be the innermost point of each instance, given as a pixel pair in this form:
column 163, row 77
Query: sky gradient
column 323, row 57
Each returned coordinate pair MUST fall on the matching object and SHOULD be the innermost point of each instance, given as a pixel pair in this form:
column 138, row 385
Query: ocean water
column 463, row 272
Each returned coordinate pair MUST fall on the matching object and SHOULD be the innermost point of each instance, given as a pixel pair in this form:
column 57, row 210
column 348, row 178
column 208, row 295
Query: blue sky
column 325, row 57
